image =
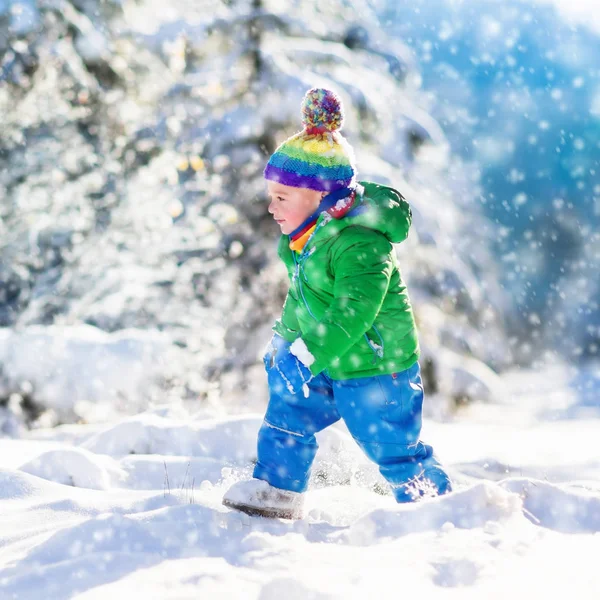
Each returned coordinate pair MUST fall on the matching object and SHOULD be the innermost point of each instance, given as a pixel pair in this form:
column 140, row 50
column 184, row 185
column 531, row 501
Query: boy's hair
column 318, row 157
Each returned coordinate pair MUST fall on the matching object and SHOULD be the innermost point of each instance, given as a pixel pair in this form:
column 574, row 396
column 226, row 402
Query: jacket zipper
column 377, row 350
column 306, row 254
column 298, row 279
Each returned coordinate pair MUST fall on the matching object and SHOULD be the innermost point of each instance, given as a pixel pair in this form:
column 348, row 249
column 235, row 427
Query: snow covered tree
column 135, row 195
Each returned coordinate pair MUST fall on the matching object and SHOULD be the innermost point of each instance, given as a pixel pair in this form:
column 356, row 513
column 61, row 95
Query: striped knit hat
column 318, row 157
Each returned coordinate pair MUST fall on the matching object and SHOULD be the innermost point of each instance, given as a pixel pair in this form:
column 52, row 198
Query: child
column 346, row 344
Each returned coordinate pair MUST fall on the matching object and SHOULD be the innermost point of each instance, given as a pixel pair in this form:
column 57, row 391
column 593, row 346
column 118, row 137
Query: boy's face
column 291, row 206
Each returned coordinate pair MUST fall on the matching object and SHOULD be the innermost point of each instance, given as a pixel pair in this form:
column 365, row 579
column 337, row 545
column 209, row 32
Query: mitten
column 275, row 351
column 291, row 374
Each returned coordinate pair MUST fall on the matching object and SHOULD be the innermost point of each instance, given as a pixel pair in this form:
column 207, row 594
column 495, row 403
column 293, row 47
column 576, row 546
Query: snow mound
column 104, row 533
column 462, row 377
column 231, row 439
column 16, row 485
column 82, row 371
column 467, row 509
column 559, row 508
column 76, row 467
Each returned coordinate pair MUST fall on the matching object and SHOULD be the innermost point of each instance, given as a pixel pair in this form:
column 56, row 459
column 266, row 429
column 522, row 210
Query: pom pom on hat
column 318, row 157
column 322, row 111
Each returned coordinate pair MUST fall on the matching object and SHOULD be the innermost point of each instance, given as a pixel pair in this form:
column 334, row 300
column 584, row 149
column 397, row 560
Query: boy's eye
column 280, row 199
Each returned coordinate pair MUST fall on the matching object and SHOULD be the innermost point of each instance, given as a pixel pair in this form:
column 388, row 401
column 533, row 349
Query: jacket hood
column 377, row 207
column 384, row 209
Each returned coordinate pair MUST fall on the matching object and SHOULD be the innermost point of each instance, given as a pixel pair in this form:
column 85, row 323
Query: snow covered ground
column 132, row 509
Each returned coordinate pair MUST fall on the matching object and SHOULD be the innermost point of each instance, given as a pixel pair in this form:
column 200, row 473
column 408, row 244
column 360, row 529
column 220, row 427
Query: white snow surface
column 82, row 371
column 132, row 509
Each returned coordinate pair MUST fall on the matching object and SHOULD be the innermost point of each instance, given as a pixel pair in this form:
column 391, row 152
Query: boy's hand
column 291, row 374
column 275, row 351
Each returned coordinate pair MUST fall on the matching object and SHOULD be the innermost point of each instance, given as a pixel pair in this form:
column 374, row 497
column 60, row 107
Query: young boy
column 346, row 344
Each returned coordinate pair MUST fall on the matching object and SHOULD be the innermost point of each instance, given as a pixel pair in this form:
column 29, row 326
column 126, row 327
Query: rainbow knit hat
column 318, row 157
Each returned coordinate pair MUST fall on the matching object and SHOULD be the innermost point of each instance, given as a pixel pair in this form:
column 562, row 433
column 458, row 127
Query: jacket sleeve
column 362, row 274
column 287, row 325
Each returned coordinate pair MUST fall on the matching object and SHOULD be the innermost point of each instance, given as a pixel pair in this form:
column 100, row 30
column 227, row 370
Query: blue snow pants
column 383, row 414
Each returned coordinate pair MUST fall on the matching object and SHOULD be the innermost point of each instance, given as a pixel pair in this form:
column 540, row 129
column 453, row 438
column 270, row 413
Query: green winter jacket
column 347, row 300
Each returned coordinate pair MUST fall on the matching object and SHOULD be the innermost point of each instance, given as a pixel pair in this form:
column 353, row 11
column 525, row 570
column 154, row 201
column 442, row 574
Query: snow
column 301, row 352
column 132, row 508
column 81, row 370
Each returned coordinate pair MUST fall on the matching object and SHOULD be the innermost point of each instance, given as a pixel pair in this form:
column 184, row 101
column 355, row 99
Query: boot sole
column 269, row 513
